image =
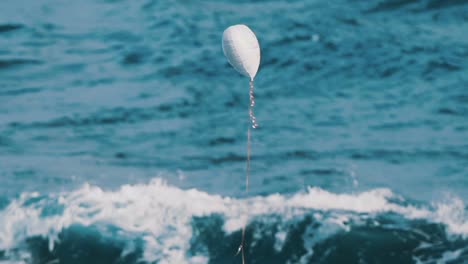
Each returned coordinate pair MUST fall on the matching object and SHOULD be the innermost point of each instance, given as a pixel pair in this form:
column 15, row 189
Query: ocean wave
column 156, row 222
column 10, row 63
column 8, row 27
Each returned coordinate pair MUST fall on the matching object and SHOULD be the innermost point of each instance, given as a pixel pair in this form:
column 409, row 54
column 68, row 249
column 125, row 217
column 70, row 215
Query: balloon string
column 252, row 104
column 247, row 174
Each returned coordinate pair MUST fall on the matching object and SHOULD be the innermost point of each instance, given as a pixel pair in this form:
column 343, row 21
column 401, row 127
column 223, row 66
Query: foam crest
column 158, row 213
column 161, row 215
column 453, row 214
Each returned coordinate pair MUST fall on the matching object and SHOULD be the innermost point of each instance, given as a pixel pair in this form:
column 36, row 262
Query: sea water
column 123, row 132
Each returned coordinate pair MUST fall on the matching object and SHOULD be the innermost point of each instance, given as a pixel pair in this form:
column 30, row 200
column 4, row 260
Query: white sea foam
column 161, row 214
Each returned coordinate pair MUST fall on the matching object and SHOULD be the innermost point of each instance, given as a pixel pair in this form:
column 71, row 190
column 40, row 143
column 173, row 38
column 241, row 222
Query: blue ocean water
column 123, row 132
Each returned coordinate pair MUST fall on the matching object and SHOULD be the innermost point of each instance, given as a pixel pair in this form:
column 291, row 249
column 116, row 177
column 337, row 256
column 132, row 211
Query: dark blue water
column 123, row 132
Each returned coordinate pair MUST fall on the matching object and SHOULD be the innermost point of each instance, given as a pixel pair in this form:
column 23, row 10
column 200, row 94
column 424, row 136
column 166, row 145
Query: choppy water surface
column 123, row 132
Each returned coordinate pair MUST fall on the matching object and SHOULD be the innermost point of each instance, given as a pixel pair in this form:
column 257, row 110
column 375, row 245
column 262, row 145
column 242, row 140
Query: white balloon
column 241, row 48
